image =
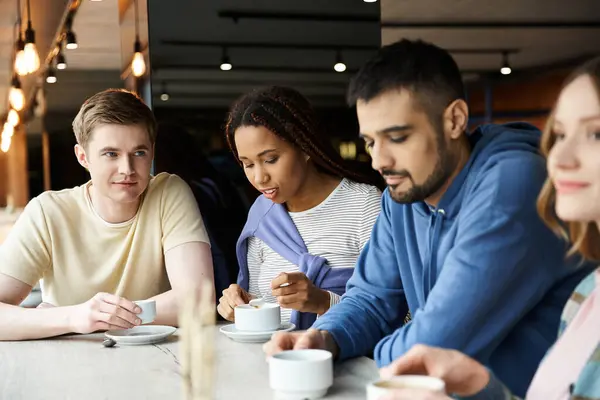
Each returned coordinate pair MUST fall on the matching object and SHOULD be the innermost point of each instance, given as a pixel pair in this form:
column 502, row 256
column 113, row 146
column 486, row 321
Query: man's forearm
column 167, row 308
column 17, row 323
column 355, row 325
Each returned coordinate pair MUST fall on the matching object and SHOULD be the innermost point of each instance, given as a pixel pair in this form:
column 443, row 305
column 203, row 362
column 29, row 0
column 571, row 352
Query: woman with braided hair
column 305, row 232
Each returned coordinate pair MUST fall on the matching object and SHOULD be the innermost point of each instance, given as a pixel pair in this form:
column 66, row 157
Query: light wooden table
column 78, row 367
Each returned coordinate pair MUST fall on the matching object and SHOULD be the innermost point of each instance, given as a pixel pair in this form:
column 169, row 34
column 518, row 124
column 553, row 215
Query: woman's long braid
column 325, row 152
column 286, row 113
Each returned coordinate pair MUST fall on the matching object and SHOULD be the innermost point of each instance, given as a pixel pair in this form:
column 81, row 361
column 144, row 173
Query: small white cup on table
column 301, row 374
column 148, row 313
column 264, row 318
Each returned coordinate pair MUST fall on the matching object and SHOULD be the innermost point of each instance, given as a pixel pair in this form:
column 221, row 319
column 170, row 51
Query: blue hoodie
column 480, row 273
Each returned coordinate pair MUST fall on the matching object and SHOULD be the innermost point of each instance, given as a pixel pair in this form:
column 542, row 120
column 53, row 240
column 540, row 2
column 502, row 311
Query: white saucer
column 146, row 334
column 253, row 337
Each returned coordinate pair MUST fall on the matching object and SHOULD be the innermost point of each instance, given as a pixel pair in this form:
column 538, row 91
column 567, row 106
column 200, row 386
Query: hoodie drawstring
column 435, row 228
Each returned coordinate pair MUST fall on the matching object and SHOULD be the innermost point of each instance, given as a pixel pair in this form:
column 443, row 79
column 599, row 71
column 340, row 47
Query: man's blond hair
column 116, row 107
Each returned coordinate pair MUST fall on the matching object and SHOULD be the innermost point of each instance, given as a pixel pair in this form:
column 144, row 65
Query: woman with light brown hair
column 570, row 204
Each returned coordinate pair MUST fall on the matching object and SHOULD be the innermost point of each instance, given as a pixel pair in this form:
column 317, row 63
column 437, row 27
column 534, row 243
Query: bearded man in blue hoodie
column 458, row 242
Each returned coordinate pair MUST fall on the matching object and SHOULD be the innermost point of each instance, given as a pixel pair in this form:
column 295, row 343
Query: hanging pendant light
column 20, row 64
column 225, row 61
column 339, row 63
column 138, row 64
column 6, row 137
column 70, row 38
column 31, row 56
column 61, row 62
column 13, row 117
column 164, row 95
column 5, row 145
column 8, row 130
column 506, row 69
column 16, row 97
column 51, row 75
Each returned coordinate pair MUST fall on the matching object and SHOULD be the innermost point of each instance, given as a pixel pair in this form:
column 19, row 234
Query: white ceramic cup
column 148, row 313
column 267, row 317
column 301, row 374
column 377, row 389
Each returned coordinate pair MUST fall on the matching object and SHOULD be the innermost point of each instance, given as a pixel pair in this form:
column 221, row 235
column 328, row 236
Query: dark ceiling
column 267, row 42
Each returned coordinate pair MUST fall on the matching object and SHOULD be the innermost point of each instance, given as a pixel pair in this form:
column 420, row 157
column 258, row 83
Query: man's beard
column 444, row 168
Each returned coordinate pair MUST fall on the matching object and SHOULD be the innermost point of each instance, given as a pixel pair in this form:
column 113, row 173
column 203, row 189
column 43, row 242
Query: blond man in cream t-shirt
column 121, row 237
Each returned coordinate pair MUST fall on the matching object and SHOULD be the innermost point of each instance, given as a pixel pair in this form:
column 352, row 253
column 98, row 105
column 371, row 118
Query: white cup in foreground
column 377, row 389
column 267, row 317
column 148, row 313
column 301, row 374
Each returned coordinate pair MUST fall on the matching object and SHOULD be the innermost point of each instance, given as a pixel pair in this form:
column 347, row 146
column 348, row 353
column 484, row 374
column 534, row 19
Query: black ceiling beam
column 265, row 45
column 295, row 70
column 307, row 46
column 201, row 95
column 238, row 68
column 491, row 25
column 274, row 15
column 245, row 81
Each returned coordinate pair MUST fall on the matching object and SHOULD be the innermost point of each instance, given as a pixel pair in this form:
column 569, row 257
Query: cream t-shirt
column 61, row 240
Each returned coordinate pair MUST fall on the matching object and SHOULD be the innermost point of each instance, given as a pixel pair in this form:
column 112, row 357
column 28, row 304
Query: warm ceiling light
column 31, row 56
column 16, row 97
column 8, row 131
column 13, row 117
column 5, row 145
column 370, row 1
column 6, row 137
column 20, row 64
column 138, row 64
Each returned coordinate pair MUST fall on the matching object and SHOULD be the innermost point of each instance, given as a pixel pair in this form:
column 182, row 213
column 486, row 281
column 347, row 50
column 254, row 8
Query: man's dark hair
column 427, row 71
